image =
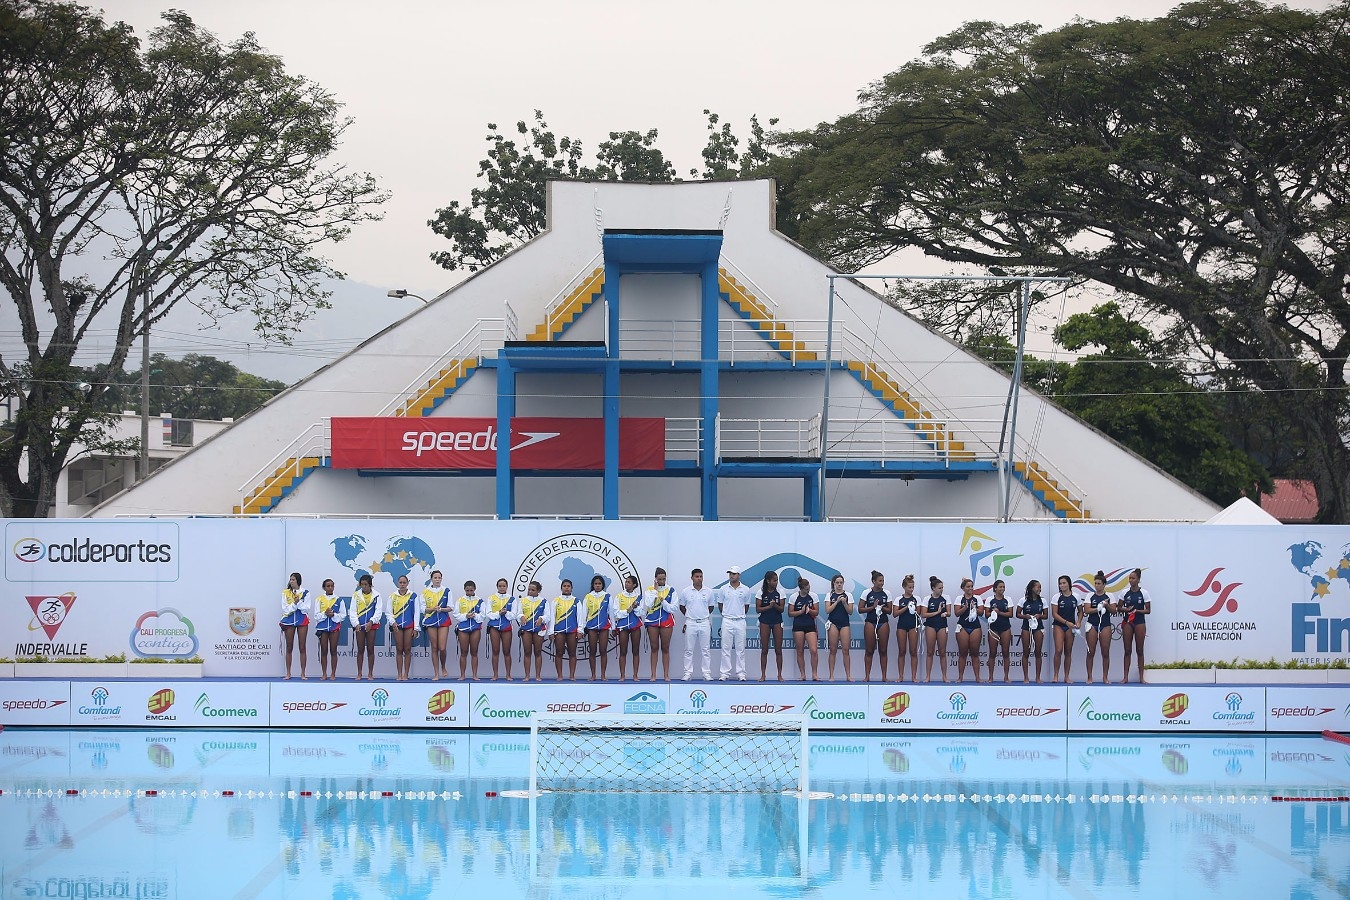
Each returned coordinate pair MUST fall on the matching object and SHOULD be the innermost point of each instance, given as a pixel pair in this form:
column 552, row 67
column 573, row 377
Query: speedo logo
column 10, row 705
column 1302, row 712
column 310, row 706
column 1023, row 712
column 760, row 708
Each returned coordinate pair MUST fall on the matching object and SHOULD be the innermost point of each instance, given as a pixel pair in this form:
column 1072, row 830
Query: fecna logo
column 99, row 706
column 893, row 710
column 29, row 550
column 1224, row 601
column 957, row 701
column 812, row 710
column 1087, row 710
column 243, row 619
column 1175, row 706
column 164, row 634
column 645, row 703
column 293, row 706
column 159, row 704
column 483, row 707
column 1233, row 701
column 205, row 709
column 987, row 563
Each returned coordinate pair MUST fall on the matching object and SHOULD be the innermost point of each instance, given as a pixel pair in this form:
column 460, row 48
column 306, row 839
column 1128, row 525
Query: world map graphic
column 1307, row 558
column 401, row 555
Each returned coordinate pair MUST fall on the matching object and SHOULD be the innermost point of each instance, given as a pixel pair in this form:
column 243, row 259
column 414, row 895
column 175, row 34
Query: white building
column 663, row 352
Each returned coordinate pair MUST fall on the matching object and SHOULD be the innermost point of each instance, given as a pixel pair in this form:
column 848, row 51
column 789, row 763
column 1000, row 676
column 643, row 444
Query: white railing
column 485, row 335
column 886, row 437
column 316, row 440
column 512, row 328
column 1066, row 484
column 745, row 281
column 791, row 438
column 683, row 438
column 553, row 308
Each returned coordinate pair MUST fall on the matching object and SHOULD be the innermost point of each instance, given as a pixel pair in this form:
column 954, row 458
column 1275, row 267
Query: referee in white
column 732, row 602
column 696, row 602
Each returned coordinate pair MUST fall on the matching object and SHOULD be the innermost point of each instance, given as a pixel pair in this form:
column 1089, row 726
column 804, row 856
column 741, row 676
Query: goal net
column 668, row 754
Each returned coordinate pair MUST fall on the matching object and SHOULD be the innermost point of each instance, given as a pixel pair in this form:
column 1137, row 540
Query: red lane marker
column 306, row 793
column 1338, row 738
column 386, row 793
column 227, row 793
column 71, row 792
column 490, row 794
column 152, row 793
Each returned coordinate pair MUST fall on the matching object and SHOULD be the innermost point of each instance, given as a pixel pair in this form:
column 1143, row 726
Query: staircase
column 569, row 309
column 274, row 487
column 1050, row 492
column 446, row 382
column 900, row 402
column 749, row 307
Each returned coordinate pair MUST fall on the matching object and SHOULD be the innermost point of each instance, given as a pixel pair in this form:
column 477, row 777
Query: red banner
column 536, row 443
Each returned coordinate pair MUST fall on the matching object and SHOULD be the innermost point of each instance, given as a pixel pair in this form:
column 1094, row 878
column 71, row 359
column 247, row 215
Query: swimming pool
column 177, row 813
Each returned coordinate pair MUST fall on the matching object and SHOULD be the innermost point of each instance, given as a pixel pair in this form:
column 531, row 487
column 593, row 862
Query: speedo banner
column 382, row 442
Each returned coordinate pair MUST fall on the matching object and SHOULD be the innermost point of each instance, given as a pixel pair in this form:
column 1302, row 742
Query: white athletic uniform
column 698, row 607
column 736, row 601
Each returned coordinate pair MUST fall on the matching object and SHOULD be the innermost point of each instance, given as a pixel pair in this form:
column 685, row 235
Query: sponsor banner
column 499, row 754
column 1170, row 708
column 175, row 704
column 85, row 550
column 45, row 702
column 826, row 707
column 1298, row 761
column 512, row 705
column 1304, row 708
column 967, row 706
column 334, row 704
column 35, row 754
column 471, row 443
column 112, row 702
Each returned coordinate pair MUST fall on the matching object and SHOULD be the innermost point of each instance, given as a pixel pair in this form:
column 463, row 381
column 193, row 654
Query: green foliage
column 1260, row 664
column 508, row 208
column 197, row 169
column 194, row 387
column 157, row 660
column 1195, row 164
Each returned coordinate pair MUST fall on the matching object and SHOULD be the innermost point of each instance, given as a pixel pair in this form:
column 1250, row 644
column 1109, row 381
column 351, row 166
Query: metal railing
column 768, row 438
column 314, row 441
column 553, row 308
column 485, row 335
column 683, row 438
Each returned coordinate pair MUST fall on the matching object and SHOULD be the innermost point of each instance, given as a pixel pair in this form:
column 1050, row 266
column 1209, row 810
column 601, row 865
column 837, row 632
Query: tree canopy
column 1198, row 164
column 133, row 177
column 194, row 387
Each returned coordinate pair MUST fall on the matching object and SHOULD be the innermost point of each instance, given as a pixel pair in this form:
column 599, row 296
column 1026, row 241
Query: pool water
column 167, row 814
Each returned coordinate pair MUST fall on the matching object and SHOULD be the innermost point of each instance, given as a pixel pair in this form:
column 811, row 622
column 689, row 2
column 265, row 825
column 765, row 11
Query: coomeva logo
column 206, row 709
column 813, row 711
column 484, row 708
column 164, row 633
column 1088, row 712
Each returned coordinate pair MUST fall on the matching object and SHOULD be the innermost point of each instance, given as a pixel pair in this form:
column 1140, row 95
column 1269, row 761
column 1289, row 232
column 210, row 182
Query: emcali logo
column 1225, row 601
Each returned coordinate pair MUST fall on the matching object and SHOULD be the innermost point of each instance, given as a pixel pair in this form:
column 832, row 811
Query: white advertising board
column 1304, row 708
column 1163, row 762
column 1172, row 708
column 211, row 704
column 345, row 704
column 966, row 706
column 827, row 707
column 513, row 705
column 41, row 702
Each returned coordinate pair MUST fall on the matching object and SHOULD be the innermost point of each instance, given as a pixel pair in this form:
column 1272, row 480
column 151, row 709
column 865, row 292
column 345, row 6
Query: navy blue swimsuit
column 936, row 622
column 999, row 624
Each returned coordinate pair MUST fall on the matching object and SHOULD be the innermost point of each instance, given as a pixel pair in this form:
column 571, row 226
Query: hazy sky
column 421, row 78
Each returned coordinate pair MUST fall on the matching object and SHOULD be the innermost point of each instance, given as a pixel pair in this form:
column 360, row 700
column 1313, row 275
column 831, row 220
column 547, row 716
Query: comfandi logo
column 205, row 709
column 1087, row 711
column 811, row 709
column 99, row 706
column 1234, row 713
column 644, row 703
column 698, row 705
column 698, row 699
column 483, row 708
column 957, row 713
column 379, row 707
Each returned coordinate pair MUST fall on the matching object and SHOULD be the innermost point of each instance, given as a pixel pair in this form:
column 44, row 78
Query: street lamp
column 399, row 294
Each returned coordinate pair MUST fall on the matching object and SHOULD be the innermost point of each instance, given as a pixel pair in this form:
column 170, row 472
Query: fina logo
column 644, row 703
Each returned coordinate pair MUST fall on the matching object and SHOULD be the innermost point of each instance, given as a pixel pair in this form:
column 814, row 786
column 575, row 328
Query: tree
column 1196, row 164
column 509, row 209
column 194, row 387
column 133, row 178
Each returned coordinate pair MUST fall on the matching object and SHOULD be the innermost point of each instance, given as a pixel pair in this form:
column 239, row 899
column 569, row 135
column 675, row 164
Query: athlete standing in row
column 875, row 607
column 1135, row 604
column 502, row 611
column 838, row 611
column 436, row 621
column 906, row 632
column 969, row 635
column 295, row 621
column 1099, row 608
column 1032, row 613
column 934, row 616
column 696, row 604
column 566, row 616
column 1067, row 619
column 804, row 608
column 597, row 603
column 1000, row 630
column 367, row 612
column 628, row 624
column 405, row 614
column 330, row 611
column 468, row 614
column 536, row 623
column 658, row 603
column 769, row 603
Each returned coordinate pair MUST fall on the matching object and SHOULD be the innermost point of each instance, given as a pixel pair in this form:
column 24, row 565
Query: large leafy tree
column 1198, row 164
column 133, row 177
column 508, row 208
column 194, row 387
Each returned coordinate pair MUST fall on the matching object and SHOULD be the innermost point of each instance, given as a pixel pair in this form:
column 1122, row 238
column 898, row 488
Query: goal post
column 669, row 753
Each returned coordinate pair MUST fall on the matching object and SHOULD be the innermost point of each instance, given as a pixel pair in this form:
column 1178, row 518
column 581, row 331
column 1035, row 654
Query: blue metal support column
column 610, row 391
column 506, row 409
column 811, row 496
column 708, row 391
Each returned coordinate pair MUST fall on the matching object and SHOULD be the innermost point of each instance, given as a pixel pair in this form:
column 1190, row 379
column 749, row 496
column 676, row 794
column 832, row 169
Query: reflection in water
column 1150, row 816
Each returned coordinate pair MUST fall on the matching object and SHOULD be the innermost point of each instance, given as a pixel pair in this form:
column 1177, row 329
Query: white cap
column 734, row 570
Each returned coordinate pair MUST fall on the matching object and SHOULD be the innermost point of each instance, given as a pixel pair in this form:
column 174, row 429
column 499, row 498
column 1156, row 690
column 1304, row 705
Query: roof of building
column 1294, row 501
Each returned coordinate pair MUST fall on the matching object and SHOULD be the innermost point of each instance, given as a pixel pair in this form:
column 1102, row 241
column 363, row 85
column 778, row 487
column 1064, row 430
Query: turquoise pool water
column 167, row 814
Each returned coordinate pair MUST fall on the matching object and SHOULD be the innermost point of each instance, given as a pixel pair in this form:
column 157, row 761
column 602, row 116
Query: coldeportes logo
column 49, row 612
column 483, row 708
column 813, row 711
column 958, row 713
column 1224, row 601
column 74, row 550
column 1234, row 714
column 98, row 699
column 1175, row 705
column 895, row 705
column 204, row 708
column 292, row 706
column 380, row 708
column 29, row 550
column 440, row 702
column 1086, row 710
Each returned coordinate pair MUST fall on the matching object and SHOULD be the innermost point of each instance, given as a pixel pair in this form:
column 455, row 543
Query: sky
column 422, row 78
